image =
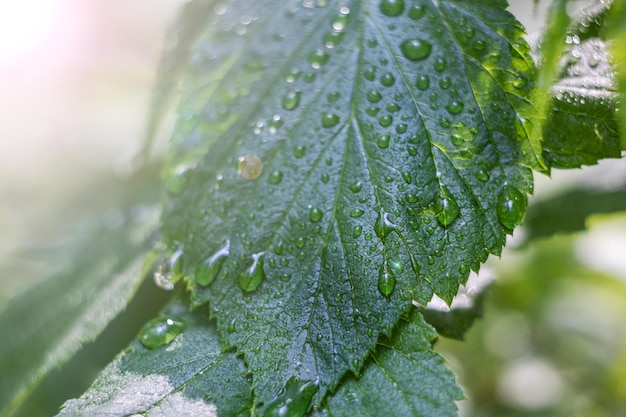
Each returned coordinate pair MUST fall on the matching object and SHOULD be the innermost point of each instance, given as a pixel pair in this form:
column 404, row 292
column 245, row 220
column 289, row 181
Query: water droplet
column 252, row 277
column 479, row 45
column 387, row 80
column 383, row 141
column 440, row 64
column 208, row 270
column 370, row 73
column 318, row 58
column 383, row 225
column 385, row 120
column 293, row 400
column 356, row 187
column 299, row 151
column 177, row 181
column 356, row 232
column 445, row 83
column 275, row 177
column 511, row 206
column 231, row 325
column 374, row 96
column 401, row 128
column 355, row 213
column 160, row 331
column 392, row 7
column 423, row 82
column 396, row 266
column 329, row 120
column 415, row 49
column 417, row 11
column 250, row 166
column 446, row 208
column 325, row 178
column 333, row 39
column 169, row 271
column 455, row 107
column 482, row 175
column 386, row 281
column 315, row 214
column 407, row 177
column 291, row 100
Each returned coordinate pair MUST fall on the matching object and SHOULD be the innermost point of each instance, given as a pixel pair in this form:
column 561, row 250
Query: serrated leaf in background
column 333, row 162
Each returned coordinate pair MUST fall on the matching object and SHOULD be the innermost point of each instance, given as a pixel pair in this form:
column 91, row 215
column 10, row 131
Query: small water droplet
column 231, row 325
column 299, row 151
column 446, row 208
column 160, row 331
column 370, row 73
column 177, row 181
column 329, row 120
column 374, row 96
column 511, row 206
column 383, row 226
column 169, row 271
column 325, row 178
column 318, row 58
column 383, row 140
column 250, row 166
column 275, row 177
column 455, row 107
column 407, row 177
column 423, row 82
column 392, row 7
column 356, row 186
column 440, row 64
column 387, row 80
column 385, row 120
column 401, row 128
column 291, row 100
column 386, row 281
column 356, row 232
column 208, row 270
column 315, row 214
column 415, row 49
column 482, row 175
column 355, row 213
column 417, row 11
column 252, row 277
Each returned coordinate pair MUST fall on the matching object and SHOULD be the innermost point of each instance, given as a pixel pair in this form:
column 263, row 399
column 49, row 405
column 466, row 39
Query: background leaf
column 333, row 162
column 188, row 376
column 48, row 323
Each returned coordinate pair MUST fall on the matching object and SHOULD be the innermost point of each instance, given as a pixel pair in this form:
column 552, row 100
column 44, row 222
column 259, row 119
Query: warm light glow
column 25, row 26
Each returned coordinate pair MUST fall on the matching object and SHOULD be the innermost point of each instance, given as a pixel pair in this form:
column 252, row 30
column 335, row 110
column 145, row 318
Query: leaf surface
column 43, row 327
column 335, row 160
column 403, row 378
column 188, row 376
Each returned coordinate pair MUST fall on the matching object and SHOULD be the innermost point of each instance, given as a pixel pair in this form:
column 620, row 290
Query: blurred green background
column 76, row 77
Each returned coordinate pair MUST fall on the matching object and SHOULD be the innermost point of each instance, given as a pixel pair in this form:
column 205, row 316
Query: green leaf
column 188, row 376
column 333, row 162
column 616, row 33
column 581, row 127
column 43, row 327
column 403, row 378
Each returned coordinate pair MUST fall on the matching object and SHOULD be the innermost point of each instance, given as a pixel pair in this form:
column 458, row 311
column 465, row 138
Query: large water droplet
column 511, row 206
column 415, row 49
column 208, row 270
column 250, row 166
column 160, row 331
column 386, row 281
column 446, row 208
column 252, row 277
column 293, row 400
column 169, row 271
column 329, row 120
column 383, row 225
column 392, row 7
column 291, row 100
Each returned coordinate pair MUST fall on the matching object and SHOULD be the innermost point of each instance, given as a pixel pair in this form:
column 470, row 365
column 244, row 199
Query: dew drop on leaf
column 511, row 206
column 318, row 58
column 299, row 151
column 417, row 11
column 383, row 225
column 386, row 281
column 169, row 271
column 440, row 64
column 387, row 80
column 315, row 214
column 329, row 120
column 446, row 208
column 423, row 82
column 455, row 107
column 252, row 277
column 392, row 7
column 355, row 187
column 160, row 331
column 415, row 49
column 250, row 166
column 383, row 140
column 374, row 96
column 385, row 120
column 275, row 177
column 207, row 271
column 291, row 100
column 177, row 181
column 293, row 400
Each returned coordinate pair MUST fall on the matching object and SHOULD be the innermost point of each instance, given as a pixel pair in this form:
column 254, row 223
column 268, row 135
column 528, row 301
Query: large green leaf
column 404, row 378
column 43, row 327
column 394, row 150
column 581, row 126
column 189, row 376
